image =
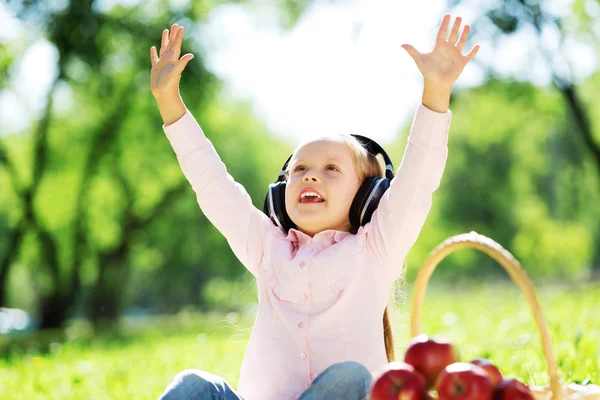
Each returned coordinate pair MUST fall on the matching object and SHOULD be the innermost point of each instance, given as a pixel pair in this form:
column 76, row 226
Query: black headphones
column 364, row 204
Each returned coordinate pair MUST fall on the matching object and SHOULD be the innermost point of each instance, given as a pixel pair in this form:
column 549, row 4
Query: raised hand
column 166, row 70
column 443, row 65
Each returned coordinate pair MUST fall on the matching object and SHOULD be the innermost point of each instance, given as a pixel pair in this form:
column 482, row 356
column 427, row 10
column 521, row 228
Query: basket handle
column 516, row 272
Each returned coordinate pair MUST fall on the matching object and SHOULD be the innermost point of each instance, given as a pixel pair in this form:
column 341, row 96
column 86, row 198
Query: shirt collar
column 299, row 237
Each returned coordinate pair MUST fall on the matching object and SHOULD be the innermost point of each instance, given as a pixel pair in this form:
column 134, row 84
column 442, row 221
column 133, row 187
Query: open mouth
column 308, row 196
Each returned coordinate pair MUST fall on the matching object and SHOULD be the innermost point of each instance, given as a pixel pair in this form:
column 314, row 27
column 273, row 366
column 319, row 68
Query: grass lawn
column 137, row 362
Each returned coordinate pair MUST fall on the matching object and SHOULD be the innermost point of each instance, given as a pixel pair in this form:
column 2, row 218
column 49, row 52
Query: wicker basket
column 555, row 390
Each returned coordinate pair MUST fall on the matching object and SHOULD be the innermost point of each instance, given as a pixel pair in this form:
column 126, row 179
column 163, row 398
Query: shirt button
column 300, row 324
column 302, row 264
column 304, row 297
column 303, row 355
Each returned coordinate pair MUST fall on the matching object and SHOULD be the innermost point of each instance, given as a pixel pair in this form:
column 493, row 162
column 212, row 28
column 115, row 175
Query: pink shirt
column 321, row 299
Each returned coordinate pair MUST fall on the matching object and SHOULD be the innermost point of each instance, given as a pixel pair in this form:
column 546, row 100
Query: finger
column 173, row 32
column 172, row 37
column 164, row 42
column 153, row 55
column 181, row 64
column 414, row 53
column 176, row 42
column 443, row 31
column 471, row 55
column 463, row 38
column 454, row 31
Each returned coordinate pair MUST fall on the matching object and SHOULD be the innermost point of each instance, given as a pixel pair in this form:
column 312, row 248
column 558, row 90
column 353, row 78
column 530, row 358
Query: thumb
column 183, row 62
column 414, row 53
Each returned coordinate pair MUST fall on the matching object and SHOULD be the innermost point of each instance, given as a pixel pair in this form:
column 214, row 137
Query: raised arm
column 166, row 72
column 224, row 202
column 402, row 211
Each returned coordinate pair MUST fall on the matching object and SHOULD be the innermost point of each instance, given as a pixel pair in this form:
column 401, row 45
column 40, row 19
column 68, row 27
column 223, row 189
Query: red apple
column 512, row 389
column 493, row 372
column 430, row 356
column 398, row 381
column 464, row 381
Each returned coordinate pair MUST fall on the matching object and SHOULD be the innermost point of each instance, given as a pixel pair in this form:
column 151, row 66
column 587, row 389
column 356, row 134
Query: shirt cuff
column 185, row 135
column 430, row 128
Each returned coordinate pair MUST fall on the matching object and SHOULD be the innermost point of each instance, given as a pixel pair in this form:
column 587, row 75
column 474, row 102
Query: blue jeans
column 348, row 380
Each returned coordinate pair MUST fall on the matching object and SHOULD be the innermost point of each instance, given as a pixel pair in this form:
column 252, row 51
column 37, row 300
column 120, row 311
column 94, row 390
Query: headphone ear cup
column 360, row 200
column 367, row 199
column 274, row 206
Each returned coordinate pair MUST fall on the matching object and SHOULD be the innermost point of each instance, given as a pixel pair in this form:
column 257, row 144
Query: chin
column 317, row 219
column 314, row 225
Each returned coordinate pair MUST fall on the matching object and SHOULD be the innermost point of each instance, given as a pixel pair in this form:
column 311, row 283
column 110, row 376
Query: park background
column 112, row 280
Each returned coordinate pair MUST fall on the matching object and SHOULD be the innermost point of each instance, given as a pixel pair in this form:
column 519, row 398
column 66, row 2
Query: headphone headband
column 369, row 144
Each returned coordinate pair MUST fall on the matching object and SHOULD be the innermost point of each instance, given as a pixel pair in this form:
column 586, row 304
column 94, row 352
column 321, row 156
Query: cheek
column 289, row 191
column 346, row 192
column 352, row 190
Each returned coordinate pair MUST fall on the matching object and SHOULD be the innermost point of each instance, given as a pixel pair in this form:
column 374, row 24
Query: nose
column 310, row 176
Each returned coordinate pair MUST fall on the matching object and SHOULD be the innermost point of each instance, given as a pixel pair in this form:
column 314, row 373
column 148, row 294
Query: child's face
column 327, row 167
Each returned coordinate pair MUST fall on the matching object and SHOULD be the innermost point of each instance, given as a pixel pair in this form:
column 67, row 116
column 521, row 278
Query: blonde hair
column 367, row 165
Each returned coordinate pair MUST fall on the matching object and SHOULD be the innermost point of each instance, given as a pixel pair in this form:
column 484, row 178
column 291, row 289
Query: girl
column 323, row 283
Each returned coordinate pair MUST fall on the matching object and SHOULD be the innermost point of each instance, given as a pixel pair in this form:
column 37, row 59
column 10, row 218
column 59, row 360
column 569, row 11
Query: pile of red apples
column 432, row 370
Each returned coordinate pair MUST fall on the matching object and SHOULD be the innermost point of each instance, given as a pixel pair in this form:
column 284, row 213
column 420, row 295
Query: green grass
column 138, row 361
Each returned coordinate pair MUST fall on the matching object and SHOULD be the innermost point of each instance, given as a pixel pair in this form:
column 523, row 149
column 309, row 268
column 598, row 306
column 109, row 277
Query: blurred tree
column 556, row 27
column 92, row 180
column 505, row 179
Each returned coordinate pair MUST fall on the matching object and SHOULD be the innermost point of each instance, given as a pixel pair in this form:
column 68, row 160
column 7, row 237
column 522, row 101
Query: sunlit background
column 102, row 243
column 340, row 68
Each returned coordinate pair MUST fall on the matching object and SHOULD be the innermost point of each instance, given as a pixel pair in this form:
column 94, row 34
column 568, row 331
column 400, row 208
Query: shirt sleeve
column 402, row 211
column 225, row 202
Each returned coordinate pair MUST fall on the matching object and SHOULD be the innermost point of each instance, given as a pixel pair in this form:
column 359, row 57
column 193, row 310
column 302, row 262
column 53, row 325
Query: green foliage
column 220, row 293
column 518, row 174
column 112, row 197
column 517, row 170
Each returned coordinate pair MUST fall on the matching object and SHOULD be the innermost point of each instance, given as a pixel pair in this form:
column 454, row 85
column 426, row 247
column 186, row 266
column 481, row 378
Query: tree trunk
column 114, row 269
column 3, row 283
column 105, row 303
column 14, row 242
column 583, row 123
column 53, row 311
column 107, row 294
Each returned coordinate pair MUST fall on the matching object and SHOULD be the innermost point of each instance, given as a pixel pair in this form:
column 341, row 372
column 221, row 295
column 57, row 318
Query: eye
column 299, row 168
column 332, row 167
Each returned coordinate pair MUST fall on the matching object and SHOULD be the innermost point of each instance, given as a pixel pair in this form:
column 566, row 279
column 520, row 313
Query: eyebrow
column 337, row 160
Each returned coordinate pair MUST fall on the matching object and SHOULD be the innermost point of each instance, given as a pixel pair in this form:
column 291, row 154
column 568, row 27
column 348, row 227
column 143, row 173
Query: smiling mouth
column 310, row 197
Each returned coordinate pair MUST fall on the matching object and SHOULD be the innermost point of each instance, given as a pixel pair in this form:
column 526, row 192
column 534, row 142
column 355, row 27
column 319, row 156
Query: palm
column 444, row 64
column 167, row 69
